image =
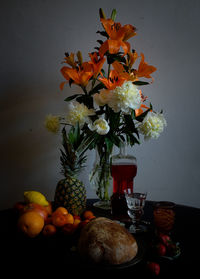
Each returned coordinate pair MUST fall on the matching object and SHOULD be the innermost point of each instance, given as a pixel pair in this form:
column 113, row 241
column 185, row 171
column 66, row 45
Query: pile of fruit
column 161, row 247
column 37, row 216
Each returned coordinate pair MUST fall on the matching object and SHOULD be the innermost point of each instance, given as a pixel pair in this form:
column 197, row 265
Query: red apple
column 38, row 208
column 19, row 207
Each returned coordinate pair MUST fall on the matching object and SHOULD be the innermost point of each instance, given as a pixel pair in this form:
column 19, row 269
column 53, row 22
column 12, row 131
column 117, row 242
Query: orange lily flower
column 80, row 75
column 118, row 35
column 142, row 107
column 132, row 56
column 144, row 70
column 140, row 110
column 70, row 60
column 120, row 69
column 114, row 80
column 97, row 63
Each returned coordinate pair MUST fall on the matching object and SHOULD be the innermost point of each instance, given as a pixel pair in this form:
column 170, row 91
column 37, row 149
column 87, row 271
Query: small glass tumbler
column 135, row 203
column 164, row 216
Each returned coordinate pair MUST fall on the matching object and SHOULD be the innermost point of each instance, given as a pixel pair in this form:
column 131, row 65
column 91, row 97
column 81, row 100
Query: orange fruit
column 31, row 223
column 83, row 223
column 58, row 219
column 69, row 219
column 61, row 210
column 77, row 217
column 76, row 223
column 68, row 229
column 49, row 230
column 88, row 214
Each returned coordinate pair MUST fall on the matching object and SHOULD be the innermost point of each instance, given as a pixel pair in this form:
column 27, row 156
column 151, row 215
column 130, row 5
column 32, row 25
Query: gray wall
column 34, row 37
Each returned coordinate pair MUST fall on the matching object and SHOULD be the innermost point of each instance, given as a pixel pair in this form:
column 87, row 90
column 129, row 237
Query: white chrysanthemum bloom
column 52, row 123
column 100, row 125
column 152, row 125
column 102, row 98
column 78, row 113
column 125, row 98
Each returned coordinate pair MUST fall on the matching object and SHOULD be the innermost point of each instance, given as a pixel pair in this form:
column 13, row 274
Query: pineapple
column 70, row 191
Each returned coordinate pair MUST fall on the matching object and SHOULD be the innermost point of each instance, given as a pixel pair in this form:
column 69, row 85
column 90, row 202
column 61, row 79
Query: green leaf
column 86, row 100
column 109, row 144
column 76, row 135
column 87, row 142
column 103, row 72
column 132, row 139
column 130, row 125
column 114, row 120
column 139, row 83
column 115, row 57
column 97, row 88
column 71, row 97
column 115, row 139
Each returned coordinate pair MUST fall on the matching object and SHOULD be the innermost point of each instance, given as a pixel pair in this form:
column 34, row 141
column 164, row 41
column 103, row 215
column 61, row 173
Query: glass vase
column 124, row 170
column 100, row 178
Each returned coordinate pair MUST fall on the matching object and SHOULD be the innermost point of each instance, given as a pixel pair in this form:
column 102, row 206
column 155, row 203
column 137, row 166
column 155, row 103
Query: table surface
column 56, row 253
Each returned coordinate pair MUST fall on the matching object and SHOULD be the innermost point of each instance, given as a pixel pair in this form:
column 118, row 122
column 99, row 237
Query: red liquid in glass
column 123, row 176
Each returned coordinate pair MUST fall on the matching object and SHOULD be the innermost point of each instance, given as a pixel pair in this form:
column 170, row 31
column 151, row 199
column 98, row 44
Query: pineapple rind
column 71, row 194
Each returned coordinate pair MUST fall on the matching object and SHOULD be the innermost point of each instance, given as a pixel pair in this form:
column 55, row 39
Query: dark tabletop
column 56, row 253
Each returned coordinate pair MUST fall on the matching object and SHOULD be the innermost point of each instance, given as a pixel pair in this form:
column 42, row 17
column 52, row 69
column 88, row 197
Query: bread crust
column 105, row 241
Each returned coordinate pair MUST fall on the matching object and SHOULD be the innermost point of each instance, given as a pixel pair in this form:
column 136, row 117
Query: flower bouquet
column 111, row 108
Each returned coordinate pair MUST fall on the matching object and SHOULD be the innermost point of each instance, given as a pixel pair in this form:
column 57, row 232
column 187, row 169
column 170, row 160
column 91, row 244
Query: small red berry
column 154, row 267
column 161, row 249
column 166, row 240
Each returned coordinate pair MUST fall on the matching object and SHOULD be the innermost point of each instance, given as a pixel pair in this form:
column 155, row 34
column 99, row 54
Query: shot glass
column 164, row 216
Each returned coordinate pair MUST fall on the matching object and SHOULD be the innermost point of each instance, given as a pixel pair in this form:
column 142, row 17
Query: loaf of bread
column 105, row 241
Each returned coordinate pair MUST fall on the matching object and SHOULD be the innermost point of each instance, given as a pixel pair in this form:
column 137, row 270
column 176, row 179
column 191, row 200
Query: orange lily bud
column 113, row 14
column 80, row 58
column 101, row 13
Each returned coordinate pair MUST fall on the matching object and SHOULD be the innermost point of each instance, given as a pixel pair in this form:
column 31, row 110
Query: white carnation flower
column 125, row 98
column 102, row 98
column 78, row 113
column 52, row 123
column 100, row 125
column 152, row 125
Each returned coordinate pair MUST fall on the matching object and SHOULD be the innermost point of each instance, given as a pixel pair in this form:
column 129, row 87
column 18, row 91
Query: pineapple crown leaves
column 72, row 160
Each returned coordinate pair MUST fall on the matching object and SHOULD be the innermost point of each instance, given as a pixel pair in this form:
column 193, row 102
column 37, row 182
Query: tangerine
column 68, row 229
column 49, row 208
column 83, row 223
column 88, row 214
column 61, row 210
column 76, row 223
column 49, row 230
column 69, row 219
column 58, row 219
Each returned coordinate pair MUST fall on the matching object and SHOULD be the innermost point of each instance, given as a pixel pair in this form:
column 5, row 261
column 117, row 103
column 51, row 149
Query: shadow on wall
column 25, row 158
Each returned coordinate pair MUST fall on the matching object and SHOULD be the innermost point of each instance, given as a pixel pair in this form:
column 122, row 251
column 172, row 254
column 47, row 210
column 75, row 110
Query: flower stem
column 109, row 70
